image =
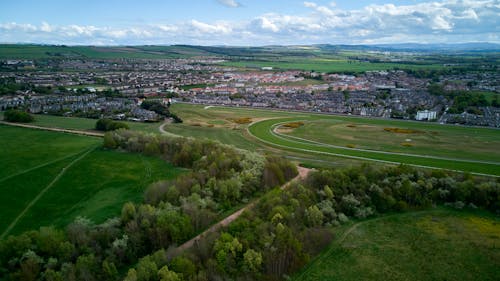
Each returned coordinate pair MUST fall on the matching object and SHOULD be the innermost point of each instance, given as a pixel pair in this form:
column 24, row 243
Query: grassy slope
column 429, row 245
column 96, row 186
column 22, row 149
column 9, row 51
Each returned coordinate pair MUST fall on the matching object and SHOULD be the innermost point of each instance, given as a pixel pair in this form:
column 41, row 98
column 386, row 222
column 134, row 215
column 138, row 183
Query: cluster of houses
column 373, row 93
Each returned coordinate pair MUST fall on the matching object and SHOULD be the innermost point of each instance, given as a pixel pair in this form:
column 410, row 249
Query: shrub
column 109, row 125
column 17, row 116
column 242, row 120
column 293, row 125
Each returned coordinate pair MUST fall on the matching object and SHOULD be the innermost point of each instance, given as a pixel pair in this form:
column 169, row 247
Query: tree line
column 288, row 227
column 220, row 178
column 270, row 241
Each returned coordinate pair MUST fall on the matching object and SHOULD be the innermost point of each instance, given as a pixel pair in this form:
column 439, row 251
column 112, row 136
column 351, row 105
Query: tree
column 109, row 125
column 167, row 275
column 252, row 260
column 227, row 249
column 17, row 116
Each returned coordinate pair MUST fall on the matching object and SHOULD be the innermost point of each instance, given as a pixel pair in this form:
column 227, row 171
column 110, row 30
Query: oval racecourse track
column 265, row 131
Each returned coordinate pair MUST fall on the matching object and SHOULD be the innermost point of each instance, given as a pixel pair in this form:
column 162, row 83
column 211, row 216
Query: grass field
column 85, row 123
column 9, row 51
column 431, row 139
column 423, row 139
column 95, row 185
column 429, row 245
column 264, row 131
column 327, row 65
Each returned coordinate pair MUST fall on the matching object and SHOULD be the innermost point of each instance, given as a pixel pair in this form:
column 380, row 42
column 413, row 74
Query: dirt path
column 41, row 193
column 77, row 132
column 303, row 172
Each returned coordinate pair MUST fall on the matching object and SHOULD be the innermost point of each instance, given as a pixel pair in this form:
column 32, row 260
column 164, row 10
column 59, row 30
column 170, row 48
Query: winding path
column 303, row 172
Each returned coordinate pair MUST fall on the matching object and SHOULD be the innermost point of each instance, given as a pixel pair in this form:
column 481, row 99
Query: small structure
column 426, row 115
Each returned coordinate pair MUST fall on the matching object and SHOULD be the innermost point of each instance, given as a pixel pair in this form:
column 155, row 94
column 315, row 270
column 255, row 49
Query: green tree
column 167, row 275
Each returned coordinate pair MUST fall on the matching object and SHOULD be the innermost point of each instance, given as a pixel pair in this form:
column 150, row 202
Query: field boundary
column 76, row 132
column 42, row 192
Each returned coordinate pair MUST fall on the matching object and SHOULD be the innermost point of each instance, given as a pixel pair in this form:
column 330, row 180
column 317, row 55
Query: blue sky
column 248, row 22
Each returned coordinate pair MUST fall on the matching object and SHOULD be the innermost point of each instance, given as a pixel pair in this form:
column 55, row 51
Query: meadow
column 438, row 244
column 51, row 178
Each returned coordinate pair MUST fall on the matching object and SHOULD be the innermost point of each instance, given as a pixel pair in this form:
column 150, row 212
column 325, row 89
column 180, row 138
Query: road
column 303, row 172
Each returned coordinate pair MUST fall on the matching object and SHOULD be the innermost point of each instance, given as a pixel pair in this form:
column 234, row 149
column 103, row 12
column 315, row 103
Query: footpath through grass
column 95, row 186
column 429, row 245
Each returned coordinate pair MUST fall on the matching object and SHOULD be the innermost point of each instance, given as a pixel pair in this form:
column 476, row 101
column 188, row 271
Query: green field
column 327, row 65
column 76, row 123
column 433, row 145
column 424, row 139
column 10, row 51
column 264, row 131
column 429, row 245
column 51, row 178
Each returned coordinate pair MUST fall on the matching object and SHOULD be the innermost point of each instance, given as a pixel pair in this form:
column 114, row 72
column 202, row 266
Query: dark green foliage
column 160, row 109
column 13, row 115
column 109, row 125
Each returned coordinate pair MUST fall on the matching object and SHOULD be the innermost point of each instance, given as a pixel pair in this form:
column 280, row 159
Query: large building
column 426, row 115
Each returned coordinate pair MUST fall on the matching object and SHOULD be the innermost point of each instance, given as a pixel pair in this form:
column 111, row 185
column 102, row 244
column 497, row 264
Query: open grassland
column 428, row 144
column 264, row 131
column 10, row 51
column 87, row 124
column 404, row 137
column 428, row 245
column 53, row 177
column 327, row 65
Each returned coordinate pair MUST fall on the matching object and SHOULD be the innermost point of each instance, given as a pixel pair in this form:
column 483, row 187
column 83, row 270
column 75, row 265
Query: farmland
column 51, row 178
column 327, row 65
column 428, row 245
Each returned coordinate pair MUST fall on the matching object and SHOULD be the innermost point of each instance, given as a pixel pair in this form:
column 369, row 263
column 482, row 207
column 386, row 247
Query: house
column 426, row 115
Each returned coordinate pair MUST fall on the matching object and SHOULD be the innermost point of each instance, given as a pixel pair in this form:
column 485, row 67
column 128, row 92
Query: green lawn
column 427, row 245
column 95, row 186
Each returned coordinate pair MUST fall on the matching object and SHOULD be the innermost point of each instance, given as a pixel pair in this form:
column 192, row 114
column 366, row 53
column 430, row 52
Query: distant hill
column 33, row 51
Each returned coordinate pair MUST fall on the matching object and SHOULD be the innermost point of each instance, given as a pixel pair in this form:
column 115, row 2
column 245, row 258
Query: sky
column 248, row 22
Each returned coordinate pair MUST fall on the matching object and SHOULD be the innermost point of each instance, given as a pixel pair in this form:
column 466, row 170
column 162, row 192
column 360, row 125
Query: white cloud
column 229, row 3
column 445, row 21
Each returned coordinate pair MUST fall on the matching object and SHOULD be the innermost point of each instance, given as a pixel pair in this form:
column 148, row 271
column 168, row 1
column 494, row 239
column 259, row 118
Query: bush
column 109, row 125
column 18, row 116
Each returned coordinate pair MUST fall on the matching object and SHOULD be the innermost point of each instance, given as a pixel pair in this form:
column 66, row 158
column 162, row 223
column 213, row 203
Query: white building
column 426, row 115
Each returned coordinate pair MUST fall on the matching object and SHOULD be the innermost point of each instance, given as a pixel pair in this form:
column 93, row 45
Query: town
column 116, row 88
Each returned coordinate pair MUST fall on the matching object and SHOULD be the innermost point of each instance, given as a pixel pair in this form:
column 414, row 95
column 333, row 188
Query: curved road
column 264, row 131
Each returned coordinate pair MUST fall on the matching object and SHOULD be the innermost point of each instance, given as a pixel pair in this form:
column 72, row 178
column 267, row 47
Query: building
column 426, row 115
